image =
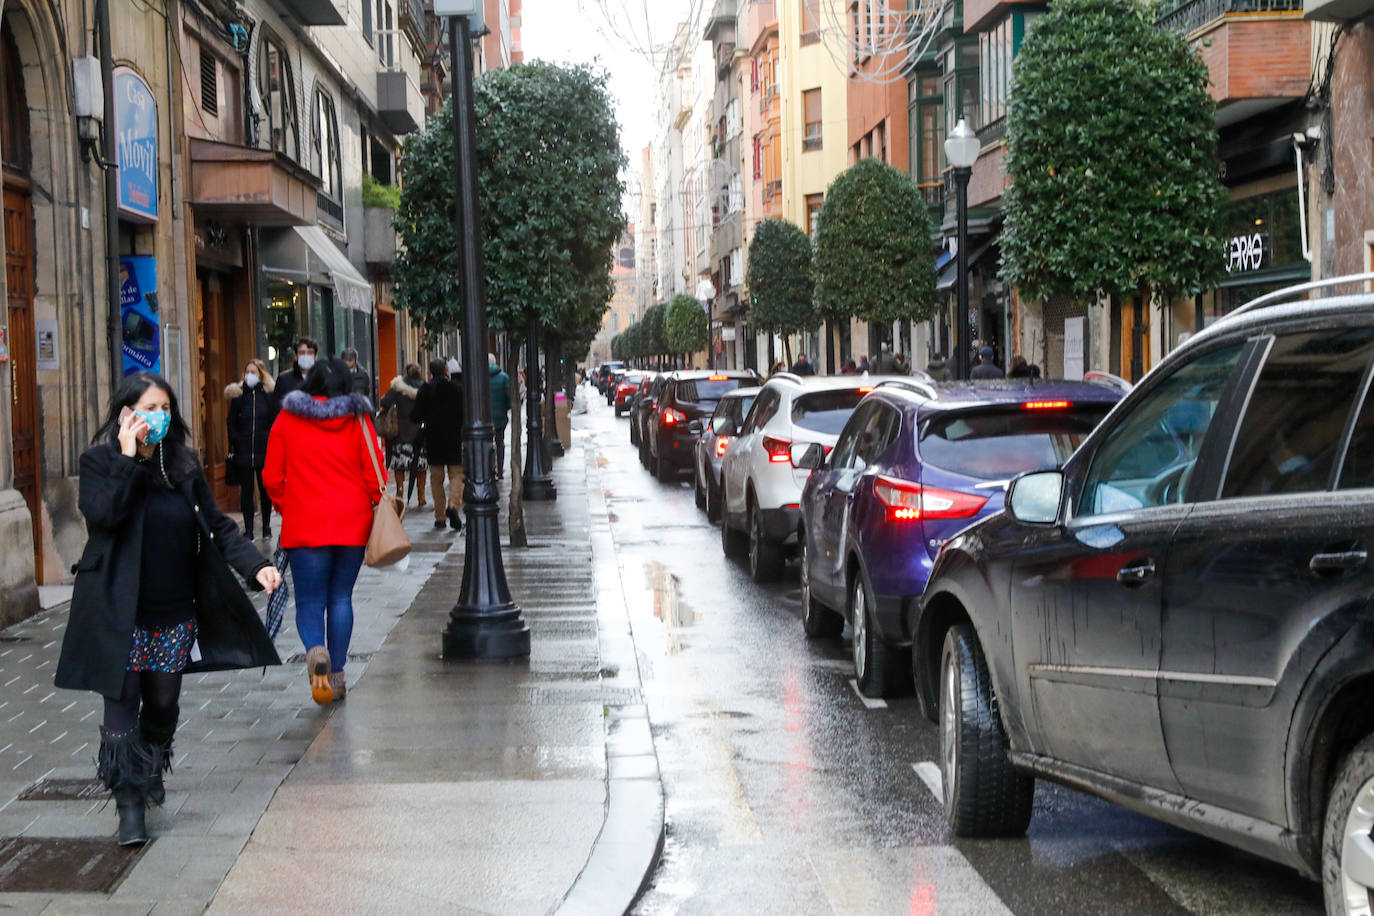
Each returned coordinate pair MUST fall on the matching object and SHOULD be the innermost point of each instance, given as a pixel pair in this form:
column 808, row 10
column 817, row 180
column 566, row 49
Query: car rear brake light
column 717, row 378
column 721, row 443
column 625, row 388
column 865, row 390
column 672, row 417
column 907, row 501
column 1046, row 405
column 779, row 450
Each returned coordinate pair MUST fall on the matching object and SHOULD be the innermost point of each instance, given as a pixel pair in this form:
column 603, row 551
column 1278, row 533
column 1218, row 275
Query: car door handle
column 1344, row 561
column 1136, row 574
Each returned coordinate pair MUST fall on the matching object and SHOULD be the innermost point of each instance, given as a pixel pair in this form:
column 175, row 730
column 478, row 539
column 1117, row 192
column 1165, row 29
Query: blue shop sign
column 136, row 145
column 139, row 314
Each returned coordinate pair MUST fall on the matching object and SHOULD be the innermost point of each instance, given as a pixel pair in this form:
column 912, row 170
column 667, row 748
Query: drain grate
column 64, row 790
column 567, row 696
column 62, row 865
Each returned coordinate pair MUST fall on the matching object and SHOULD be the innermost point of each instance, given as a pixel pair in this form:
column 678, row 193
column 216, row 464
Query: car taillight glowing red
column 907, row 501
column 779, row 450
column 624, row 388
column 866, row 389
column 721, row 443
column 671, row 417
column 1046, row 405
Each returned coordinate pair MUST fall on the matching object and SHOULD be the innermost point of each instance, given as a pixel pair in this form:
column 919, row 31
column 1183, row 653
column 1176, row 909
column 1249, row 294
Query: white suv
column 760, row 482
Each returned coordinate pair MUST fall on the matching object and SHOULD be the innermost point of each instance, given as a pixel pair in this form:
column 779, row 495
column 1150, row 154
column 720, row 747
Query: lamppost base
column 539, row 489
column 484, row 633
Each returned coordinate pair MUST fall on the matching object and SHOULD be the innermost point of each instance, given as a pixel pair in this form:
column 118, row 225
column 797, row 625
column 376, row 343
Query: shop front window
column 283, row 322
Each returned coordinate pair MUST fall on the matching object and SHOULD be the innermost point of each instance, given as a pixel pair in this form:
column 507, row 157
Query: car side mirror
column 1034, row 498
column 695, row 427
column 808, row 456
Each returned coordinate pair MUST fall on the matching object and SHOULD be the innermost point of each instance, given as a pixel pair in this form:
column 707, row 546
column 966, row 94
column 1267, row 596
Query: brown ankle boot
column 338, row 685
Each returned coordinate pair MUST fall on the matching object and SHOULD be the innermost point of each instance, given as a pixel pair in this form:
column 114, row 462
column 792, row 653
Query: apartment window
column 880, row 141
column 813, row 213
column 926, row 120
column 960, row 66
column 758, row 158
column 736, row 194
column 810, row 21
column 736, row 274
column 733, row 124
column 753, row 74
column 386, row 39
column 278, row 92
column 811, row 105
column 997, row 49
column 324, row 143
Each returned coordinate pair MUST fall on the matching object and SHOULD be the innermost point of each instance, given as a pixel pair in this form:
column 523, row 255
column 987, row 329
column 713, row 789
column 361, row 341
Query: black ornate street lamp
column 961, row 149
column 485, row 623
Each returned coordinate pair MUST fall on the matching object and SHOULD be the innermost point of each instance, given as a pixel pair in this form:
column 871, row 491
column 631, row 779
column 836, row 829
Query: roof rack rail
column 914, row 384
column 789, row 376
column 1291, row 292
column 1106, row 378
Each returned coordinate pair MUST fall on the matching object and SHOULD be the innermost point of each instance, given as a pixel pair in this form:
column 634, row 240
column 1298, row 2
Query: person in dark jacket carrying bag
column 249, row 420
column 439, row 413
column 403, row 449
column 154, row 596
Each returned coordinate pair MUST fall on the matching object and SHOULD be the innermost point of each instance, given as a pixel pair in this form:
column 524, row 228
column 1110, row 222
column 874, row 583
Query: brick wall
column 1352, row 124
column 1257, row 58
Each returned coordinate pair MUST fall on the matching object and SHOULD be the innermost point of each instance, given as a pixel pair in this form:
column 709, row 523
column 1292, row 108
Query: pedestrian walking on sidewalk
column 319, row 472
column 290, row 380
column 358, row 380
column 249, row 421
column 500, row 410
column 439, row 411
column 403, row 450
column 152, row 581
column 986, row 368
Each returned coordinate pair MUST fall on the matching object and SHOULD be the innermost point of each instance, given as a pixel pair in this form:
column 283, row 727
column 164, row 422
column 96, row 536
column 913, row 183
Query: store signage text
column 1245, row 253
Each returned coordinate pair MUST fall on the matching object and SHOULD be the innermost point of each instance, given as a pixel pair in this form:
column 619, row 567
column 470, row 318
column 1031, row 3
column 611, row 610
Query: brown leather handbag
column 387, row 542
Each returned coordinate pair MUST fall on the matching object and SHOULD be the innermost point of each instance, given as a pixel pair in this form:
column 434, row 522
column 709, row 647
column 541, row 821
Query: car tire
column 765, row 558
column 619, row 411
column 984, row 796
column 873, row 658
column 818, row 621
column 1348, row 884
column 698, row 494
column 713, row 501
column 634, row 431
column 731, row 541
column 663, row 469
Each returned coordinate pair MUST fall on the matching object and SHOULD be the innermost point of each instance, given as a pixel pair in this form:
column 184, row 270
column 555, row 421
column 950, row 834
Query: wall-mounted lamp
column 89, row 107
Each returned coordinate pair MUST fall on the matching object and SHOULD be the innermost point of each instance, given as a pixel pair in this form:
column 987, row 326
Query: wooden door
column 19, row 261
column 218, row 369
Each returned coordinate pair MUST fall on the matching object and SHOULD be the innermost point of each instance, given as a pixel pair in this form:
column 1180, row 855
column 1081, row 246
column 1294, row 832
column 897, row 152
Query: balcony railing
column 932, row 191
column 772, row 189
column 768, row 98
column 1192, row 15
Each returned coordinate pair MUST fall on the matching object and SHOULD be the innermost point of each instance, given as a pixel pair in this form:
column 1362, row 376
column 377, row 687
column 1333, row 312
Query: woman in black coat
column 152, row 585
column 251, row 412
column 438, row 412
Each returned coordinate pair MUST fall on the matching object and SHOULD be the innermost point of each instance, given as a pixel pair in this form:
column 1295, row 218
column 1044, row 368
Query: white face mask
column 251, row 379
column 306, row 362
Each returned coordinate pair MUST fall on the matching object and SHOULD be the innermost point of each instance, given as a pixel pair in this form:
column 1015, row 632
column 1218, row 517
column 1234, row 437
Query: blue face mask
column 159, row 422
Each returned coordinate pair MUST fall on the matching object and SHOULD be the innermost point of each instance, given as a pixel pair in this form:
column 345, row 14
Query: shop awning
column 306, row 254
column 949, row 272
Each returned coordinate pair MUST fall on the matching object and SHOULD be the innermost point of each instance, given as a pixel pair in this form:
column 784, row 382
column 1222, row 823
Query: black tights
column 246, row 499
column 158, row 693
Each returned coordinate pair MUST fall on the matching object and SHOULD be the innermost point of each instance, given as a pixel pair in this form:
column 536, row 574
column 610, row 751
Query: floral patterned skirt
column 165, row 649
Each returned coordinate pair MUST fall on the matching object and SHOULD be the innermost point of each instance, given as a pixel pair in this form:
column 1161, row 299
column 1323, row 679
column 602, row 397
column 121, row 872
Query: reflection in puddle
column 676, row 614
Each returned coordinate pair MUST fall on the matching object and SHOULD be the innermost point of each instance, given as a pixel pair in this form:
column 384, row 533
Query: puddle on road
column 677, row 615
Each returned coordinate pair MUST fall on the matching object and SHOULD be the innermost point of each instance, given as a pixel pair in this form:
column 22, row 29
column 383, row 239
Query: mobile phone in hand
column 124, row 414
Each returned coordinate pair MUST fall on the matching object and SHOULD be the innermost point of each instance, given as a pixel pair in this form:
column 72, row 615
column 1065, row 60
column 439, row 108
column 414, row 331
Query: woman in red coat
column 320, row 473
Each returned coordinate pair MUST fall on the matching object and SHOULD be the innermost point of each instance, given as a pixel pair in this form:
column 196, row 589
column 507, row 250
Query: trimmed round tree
column 874, row 256
column 688, row 328
column 1088, row 212
column 779, row 279
column 654, row 341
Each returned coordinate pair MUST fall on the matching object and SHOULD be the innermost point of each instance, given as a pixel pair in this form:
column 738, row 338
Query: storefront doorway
column 218, row 362
column 19, row 285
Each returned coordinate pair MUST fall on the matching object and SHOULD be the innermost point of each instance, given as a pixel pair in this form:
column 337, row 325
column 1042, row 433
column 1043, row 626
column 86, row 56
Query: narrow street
column 786, row 790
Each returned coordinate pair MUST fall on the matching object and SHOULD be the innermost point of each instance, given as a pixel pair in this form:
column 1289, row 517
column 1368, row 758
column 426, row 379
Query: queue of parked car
column 1161, row 595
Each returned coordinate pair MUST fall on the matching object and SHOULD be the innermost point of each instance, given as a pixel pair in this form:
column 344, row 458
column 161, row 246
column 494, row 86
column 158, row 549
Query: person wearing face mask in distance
column 249, row 420
column 153, row 580
column 306, row 353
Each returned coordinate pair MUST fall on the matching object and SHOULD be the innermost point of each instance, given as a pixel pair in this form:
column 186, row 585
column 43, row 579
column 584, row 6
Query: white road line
column 930, row 775
column 867, row 701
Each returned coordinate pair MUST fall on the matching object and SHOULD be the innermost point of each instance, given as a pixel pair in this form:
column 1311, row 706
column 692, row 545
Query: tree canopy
column 779, row 279
column 1087, row 212
column 549, row 160
column 688, row 328
column 653, row 336
column 874, row 257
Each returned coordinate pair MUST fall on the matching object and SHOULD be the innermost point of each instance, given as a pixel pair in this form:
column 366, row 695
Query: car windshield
column 826, row 411
column 1000, row 443
column 707, row 391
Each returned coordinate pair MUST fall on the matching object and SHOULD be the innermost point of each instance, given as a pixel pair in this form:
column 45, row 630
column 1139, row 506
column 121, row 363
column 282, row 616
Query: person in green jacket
column 500, row 410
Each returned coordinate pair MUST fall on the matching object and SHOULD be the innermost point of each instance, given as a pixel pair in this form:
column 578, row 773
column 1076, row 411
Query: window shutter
column 209, row 84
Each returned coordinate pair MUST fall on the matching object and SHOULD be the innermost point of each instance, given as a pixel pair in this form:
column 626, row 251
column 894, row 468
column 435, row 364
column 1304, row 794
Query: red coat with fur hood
column 318, row 470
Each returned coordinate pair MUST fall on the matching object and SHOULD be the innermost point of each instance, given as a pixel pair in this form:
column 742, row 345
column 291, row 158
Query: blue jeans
column 324, row 578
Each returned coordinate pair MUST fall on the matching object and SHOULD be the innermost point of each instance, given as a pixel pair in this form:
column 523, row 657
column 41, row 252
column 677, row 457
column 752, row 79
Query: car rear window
column 825, row 411
column 698, row 391
column 994, row 444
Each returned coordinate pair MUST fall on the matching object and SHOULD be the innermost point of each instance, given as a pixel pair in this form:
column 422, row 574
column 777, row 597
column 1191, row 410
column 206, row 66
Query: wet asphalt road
column 788, row 794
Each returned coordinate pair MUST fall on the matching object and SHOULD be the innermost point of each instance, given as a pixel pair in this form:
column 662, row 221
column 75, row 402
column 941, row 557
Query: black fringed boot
column 126, row 764
column 158, row 736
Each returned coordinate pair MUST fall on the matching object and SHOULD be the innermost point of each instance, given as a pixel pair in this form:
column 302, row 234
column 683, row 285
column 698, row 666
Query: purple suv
column 916, row 463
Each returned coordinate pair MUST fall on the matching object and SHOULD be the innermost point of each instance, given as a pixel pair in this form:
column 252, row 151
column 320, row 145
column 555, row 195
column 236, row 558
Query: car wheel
column 983, row 794
column 817, row 619
column 634, row 431
column 619, row 411
column 765, row 558
column 731, row 542
column 698, row 494
column 872, row 656
column 1348, row 837
column 713, row 501
column 663, row 470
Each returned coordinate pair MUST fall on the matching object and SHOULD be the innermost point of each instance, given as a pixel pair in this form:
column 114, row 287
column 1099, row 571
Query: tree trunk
column 516, row 510
column 787, row 349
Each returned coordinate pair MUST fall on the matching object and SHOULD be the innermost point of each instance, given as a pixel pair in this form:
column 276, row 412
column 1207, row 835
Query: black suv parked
column 1181, row 618
column 686, row 399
